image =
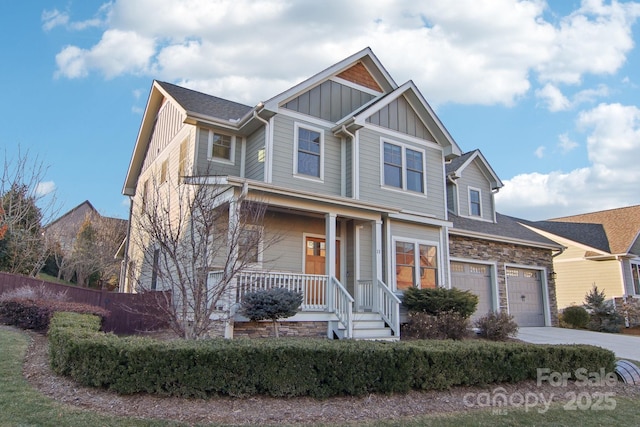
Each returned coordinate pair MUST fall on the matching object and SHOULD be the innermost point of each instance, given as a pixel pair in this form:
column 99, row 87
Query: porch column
column 376, row 255
column 232, row 240
column 330, row 244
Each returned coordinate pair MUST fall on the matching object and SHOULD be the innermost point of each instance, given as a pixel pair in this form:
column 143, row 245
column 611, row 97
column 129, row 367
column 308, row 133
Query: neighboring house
column 603, row 249
column 352, row 166
column 63, row 233
column 507, row 265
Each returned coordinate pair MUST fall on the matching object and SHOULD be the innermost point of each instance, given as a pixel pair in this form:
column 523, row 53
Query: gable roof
column 365, row 57
column 456, row 166
column 86, row 205
column 592, row 235
column 621, row 226
column 506, row 229
column 202, row 104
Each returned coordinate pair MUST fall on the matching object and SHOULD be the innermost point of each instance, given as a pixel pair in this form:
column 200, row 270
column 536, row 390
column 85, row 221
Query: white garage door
column 477, row 279
column 524, row 290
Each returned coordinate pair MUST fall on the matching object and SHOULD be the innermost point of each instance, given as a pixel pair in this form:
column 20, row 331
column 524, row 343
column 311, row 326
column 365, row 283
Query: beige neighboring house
column 602, row 248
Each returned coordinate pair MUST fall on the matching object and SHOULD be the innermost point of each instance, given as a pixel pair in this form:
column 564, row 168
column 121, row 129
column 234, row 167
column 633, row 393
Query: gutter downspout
column 355, row 188
column 267, row 147
column 455, row 199
column 125, row 260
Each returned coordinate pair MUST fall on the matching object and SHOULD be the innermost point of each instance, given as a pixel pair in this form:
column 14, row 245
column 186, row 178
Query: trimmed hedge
column 36, row 314
column 318, row 368
column 434, row 301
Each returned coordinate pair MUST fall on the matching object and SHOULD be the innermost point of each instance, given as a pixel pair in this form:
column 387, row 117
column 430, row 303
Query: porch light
column 552, row 275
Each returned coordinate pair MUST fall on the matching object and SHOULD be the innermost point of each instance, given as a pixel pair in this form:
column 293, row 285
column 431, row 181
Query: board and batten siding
column 370, row 179
column 205, row 166
column 330, row 101
column 254, row 168
column 283, row 168
column 401, row 117
column 472, row 177
column 168, row 123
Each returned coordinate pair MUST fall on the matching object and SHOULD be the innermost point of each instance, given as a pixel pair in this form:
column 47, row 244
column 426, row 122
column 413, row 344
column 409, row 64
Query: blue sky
column 548, row 91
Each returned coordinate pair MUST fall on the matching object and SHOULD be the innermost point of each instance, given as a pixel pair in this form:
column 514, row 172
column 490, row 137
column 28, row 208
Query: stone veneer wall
column 287, row 329
column 506, row 253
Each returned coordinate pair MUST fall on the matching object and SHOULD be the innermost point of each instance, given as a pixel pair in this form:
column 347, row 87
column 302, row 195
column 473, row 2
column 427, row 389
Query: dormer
column 471, row 185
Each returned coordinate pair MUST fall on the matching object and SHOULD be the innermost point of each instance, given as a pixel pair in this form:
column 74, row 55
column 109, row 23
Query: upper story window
column 475, row 207
column 416, row 265
column 221, row 147
column 403, row 167
column 308, row 153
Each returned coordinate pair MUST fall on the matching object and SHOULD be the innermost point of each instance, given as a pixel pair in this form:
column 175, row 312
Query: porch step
column 369, row 326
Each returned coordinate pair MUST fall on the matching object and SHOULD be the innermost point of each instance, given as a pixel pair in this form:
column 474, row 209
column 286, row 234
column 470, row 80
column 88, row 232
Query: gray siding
column 370, row 178
column 473, row 177
column 167, row 125
column 401, row 117
column 366, row 251
column 635, row 247
column 329, row 101
column 254, row 167
column 349, row 168
column 213, row 167
column 415, row 231
column 283, row 146
column 451, row 198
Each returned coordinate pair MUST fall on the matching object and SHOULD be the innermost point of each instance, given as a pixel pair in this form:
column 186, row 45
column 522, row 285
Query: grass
column 21, row 405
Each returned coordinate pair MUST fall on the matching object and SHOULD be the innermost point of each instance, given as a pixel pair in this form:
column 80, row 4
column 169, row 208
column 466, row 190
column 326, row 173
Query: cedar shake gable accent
column 360, row 75
column 621, row 226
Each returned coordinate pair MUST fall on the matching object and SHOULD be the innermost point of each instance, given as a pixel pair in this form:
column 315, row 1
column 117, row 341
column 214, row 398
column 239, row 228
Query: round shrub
column 497, row 326
column 576, row 316
column 440, row 300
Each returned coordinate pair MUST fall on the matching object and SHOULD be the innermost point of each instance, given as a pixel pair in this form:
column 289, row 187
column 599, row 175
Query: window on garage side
column 475, row 207
column 635, row 273
column 416, row 265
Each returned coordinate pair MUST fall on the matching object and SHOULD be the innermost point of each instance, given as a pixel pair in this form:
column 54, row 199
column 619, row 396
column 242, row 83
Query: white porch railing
column 342, row 306
column 375, row 296
column 313, row 287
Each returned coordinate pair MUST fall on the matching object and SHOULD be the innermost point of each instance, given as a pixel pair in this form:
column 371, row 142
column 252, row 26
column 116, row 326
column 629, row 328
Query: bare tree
column 27, row 205
column 194, row 238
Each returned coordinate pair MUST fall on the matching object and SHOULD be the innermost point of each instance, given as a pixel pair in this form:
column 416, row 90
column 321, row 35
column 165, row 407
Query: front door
column 315, row 263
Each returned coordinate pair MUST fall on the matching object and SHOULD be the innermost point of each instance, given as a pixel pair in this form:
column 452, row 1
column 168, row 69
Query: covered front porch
column 373, row 312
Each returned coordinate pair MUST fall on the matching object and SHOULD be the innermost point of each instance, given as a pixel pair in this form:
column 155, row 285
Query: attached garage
column 524, row 293
column 477, row 279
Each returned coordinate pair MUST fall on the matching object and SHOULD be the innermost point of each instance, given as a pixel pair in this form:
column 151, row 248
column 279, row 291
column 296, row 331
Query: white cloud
column 44, row 188
column 554, row 99
column 54, row 18
column 480, row 52
column 612, row 176
column 566, row 144
column 539, row 153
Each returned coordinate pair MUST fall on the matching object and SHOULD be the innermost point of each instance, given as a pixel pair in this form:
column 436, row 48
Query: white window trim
column 404, row 148
column 469, row 190
column 210, row 156
column 416, row 255
column 635, row 263
column 296, row 174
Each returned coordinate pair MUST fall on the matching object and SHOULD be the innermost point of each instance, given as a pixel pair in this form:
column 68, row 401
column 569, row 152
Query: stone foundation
column 287, row 329
column 506, row 253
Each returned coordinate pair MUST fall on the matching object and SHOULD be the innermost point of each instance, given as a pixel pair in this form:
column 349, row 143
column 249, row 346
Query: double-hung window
column 416, row 264
column 403, row 167
column 308, row 152
column 635, row 274
column 475, row 207
column 220, row 147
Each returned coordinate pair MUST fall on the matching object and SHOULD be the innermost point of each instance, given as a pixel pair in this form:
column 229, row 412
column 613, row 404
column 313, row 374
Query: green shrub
column 271, row 304
column 496, row 326
column 603, row 316
column 447, row 325
column 439, row 300
column 283, row 368
column 575, row 316
column 36, row 313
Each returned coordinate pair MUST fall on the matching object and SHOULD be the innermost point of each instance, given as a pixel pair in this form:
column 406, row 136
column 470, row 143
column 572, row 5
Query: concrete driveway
column 624, row 346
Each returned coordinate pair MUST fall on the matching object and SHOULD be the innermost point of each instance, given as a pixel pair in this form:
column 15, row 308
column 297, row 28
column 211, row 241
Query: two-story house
column 352, row 167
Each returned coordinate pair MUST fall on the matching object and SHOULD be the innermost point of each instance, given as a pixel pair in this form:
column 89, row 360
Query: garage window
column 416, row 265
